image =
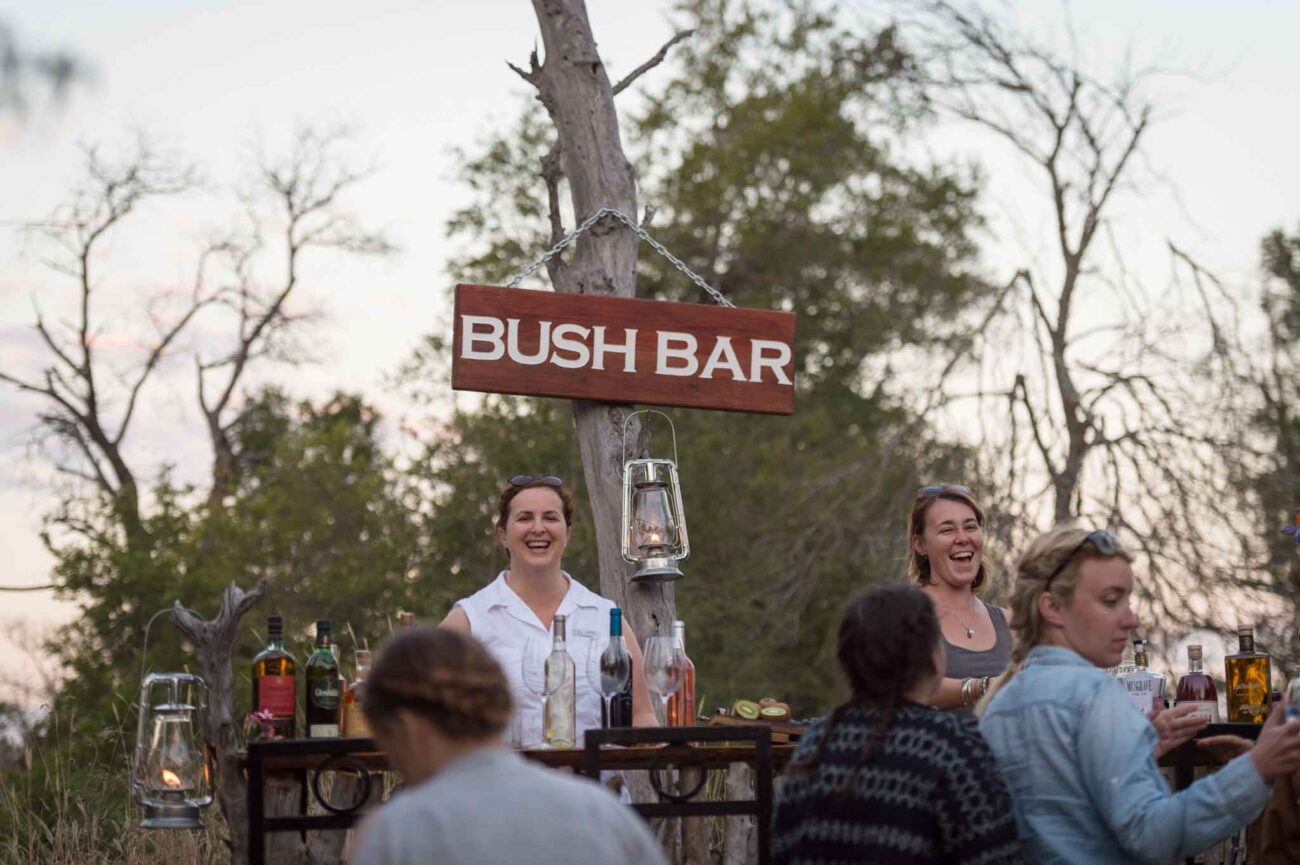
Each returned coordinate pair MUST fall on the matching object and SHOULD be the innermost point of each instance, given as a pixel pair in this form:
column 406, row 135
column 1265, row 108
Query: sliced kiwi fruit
column 774, row 713
column 746, row 709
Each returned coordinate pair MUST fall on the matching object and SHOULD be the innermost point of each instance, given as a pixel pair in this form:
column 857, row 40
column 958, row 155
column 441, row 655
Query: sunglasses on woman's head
column 544, row 480
column 936, row 489
column 1102, row 541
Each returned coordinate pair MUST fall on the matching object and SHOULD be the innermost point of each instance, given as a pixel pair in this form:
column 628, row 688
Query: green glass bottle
column 321, row 694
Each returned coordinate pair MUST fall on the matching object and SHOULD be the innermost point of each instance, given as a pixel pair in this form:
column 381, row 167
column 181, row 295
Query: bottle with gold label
column 1249, row 674
column 354, row 719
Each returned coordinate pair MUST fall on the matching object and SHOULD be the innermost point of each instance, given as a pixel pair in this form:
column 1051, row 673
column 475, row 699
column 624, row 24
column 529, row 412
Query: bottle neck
column 323, row 645
column 1140, row 659
column 1194, row 665
column 1247, row 644
column 615, row 624
column 679, row 635
column 275, row 643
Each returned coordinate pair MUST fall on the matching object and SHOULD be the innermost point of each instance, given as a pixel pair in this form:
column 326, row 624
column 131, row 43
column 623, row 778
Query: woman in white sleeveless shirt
column 534, row 525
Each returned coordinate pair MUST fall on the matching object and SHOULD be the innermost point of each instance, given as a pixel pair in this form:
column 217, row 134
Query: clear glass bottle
column 275, row 688
column 559, row 701
column 1249, row 674
column 1145, row 688
column 681, row 705
column 321, row 691
column 354, row 719
column 1197, row 687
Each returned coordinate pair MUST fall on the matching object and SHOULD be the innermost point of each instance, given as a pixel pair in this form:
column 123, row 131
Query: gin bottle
column 1145, row 689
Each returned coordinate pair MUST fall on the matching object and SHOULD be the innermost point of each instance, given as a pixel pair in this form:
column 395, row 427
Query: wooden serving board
column 782, row 731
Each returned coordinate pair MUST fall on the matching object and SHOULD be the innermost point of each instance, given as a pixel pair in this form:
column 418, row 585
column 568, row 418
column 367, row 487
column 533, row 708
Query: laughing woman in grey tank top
column 945, row 558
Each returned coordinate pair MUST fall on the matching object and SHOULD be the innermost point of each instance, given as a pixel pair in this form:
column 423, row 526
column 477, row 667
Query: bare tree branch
column 652, row 62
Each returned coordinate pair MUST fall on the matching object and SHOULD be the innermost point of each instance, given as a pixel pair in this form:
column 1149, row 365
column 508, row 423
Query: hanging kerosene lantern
column 171, row 770
column 654, row 522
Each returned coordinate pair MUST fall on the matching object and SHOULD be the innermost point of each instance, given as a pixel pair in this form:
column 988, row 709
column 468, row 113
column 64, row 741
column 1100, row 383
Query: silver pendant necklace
column 970, row 628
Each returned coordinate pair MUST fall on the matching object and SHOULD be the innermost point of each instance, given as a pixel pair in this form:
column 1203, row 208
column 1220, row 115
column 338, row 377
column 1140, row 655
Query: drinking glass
column 532, row 672
column 664, row 669
column 608, row 679
column 1293, row 699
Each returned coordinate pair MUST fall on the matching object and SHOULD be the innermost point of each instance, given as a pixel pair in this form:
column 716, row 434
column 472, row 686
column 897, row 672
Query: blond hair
column 918, row 566
column 449, row 679
column 1042, row 557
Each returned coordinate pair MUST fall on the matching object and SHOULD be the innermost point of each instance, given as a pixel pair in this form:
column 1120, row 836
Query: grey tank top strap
column 963, row 663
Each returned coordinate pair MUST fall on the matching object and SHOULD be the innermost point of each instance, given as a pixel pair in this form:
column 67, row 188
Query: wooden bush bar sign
column 616, row 349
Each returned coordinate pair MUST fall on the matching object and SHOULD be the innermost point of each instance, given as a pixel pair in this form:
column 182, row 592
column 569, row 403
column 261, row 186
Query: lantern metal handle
column 673, row 429
column 144, row 652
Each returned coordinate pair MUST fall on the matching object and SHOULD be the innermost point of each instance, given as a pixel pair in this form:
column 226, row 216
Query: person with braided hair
column 437, row 703
column 1079, row 761
column 887, row 778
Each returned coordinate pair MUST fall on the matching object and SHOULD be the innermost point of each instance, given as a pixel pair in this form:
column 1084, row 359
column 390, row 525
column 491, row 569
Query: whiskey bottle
column 681, row 705
column 274, row 686
column 1249, row 674
column 1145, row 688
column 559, row 700
column 354, row 719
column 321, row 691
column 1198, row 688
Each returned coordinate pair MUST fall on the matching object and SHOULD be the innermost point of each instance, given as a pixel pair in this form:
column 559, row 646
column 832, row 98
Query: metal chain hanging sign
column 614, row 349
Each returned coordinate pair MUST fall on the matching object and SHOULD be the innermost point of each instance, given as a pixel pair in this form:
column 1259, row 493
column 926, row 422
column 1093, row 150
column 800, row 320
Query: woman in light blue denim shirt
column 1078, row 760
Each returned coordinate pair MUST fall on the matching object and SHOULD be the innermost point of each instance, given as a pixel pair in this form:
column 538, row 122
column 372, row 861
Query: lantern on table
column 654, row 522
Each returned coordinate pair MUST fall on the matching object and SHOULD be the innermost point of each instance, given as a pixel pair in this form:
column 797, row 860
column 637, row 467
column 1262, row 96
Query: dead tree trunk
column 573, row 85
column 214, row 646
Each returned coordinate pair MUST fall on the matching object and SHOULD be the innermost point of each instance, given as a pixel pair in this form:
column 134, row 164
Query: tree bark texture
column 740, row 842
column 214, row 646
column 575, row 88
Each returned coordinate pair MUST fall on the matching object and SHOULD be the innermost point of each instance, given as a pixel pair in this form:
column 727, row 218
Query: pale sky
column 417, row 79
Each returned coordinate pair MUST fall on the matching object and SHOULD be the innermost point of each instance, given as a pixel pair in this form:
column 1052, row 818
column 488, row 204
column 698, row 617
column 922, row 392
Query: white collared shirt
column 501, row 621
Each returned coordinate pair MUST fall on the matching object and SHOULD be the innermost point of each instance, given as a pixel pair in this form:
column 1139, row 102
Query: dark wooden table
column 309, row 758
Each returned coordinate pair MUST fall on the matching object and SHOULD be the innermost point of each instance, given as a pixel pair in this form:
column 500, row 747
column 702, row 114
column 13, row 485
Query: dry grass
column 55, row 812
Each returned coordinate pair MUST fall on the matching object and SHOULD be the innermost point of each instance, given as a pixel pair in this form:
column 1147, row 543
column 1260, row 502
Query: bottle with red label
column 275, row 691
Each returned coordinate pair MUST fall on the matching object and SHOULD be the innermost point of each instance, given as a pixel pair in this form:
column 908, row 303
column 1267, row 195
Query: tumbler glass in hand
column 664, row 669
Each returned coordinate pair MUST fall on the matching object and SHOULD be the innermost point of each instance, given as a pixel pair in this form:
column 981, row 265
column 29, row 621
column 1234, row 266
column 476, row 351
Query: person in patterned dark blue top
column 886, row 779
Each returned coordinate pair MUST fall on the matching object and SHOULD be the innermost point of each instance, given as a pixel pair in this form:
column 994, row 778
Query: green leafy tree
column 775, row 159
column 1269, row 475
column 317, row 506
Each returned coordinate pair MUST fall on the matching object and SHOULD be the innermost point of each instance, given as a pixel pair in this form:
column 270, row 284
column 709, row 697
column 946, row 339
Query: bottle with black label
column 321, row 694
